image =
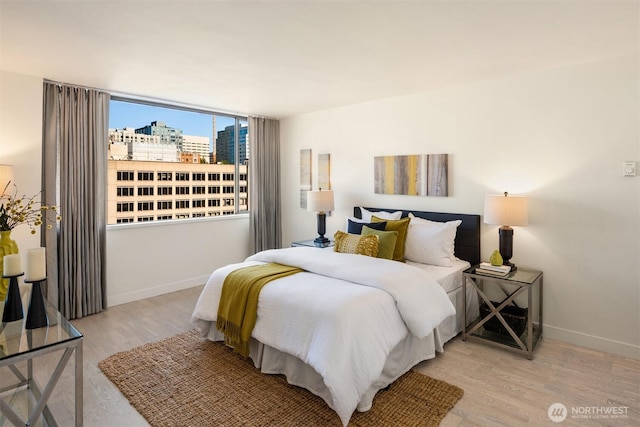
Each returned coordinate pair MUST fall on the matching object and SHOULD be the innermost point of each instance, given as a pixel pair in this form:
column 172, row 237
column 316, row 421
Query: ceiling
column 278, row 59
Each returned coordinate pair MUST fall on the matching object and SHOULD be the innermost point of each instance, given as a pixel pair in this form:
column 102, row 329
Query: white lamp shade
column 506, row 210
column 6, row 176
column 320, row 201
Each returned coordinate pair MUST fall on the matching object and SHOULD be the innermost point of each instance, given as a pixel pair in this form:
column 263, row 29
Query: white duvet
column 342, row 316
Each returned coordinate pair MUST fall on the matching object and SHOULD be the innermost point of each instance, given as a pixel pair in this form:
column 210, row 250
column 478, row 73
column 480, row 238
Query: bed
column 349, row 325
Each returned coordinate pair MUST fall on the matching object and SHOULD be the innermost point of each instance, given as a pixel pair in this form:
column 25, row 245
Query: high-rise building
column 198, row 145
column 225, row 145
column 167, row 134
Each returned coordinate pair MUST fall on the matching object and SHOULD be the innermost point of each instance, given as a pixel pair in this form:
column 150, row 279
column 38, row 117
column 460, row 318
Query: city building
column 165, row 133
column 225, row 145
column 154, row 152
column 142, row 191
column 129, row 134
column 197, row 145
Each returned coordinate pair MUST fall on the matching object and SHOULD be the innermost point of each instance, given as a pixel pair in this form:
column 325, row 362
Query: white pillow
column 431, row 242
column 366, row 215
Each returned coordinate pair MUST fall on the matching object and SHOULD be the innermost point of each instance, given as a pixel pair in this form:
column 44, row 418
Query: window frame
column 239, row 209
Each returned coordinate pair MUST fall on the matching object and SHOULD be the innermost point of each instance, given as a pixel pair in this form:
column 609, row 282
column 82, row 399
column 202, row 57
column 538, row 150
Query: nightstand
column 505, row 323
column 313, row 244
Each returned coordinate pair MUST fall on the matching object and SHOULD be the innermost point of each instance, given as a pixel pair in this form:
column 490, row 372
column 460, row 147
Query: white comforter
column 342, row 316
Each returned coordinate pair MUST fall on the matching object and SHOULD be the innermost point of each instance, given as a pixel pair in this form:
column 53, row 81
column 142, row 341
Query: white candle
column 36, row 265
column 12, row 265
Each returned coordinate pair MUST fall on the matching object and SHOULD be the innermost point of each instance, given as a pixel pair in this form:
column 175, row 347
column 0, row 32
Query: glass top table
column 18, row 344
column 16, row 340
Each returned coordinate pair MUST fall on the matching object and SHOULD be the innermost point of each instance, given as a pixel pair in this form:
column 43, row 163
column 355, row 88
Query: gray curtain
column 264, row 184
column 75, row 132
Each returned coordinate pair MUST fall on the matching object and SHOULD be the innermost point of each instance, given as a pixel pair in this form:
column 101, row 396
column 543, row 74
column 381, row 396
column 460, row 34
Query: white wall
column 557, row 135
column 155, row 258
column 21, row 140
column 142, row 260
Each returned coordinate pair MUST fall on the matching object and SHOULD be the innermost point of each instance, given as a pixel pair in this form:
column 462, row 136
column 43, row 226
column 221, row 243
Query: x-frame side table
column 18, row 344
column 511, row 286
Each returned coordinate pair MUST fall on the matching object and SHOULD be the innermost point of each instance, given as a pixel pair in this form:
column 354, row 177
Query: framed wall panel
column 324, row 171
column 305, row 176
column 415, row 175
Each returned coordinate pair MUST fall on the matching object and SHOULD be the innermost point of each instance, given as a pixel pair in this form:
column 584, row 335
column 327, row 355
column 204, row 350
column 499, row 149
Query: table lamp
column 506, row 211
column 320, row 202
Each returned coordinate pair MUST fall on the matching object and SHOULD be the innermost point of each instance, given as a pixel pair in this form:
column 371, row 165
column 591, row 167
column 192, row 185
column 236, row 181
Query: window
column 145, row 176
column 125, row 191
column 165, row 191
column 125, row 176
column 125, row 220
column 164, row 205
column 145, row 191
column 153, row 143
column 124, row 207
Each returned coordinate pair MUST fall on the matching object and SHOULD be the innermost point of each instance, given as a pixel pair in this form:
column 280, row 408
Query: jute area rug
column 187, row 380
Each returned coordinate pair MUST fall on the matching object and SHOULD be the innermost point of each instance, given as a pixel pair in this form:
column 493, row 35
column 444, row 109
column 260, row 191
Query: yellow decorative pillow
column 356, row 244
column 401, row 226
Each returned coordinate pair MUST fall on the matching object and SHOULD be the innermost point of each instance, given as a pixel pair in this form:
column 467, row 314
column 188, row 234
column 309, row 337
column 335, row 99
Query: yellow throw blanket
column 238, row 307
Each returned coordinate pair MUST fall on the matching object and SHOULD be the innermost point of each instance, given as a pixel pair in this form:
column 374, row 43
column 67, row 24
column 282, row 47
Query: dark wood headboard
column 467, row 243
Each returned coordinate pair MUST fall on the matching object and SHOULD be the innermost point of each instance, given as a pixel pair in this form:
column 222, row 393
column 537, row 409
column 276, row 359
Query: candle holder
column 37, row 314
column 13, row 304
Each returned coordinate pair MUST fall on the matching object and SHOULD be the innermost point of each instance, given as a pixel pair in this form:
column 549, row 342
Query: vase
column 8, row 246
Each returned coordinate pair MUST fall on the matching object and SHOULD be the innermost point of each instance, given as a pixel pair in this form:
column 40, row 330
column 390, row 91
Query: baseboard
column 591, row 341
column 113, row 300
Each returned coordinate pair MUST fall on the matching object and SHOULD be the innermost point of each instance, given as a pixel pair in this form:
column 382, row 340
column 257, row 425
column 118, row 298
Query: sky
column 124, row 114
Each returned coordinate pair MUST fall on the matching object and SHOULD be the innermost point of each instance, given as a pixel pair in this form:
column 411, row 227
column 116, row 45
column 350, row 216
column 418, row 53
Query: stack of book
column 493, row 270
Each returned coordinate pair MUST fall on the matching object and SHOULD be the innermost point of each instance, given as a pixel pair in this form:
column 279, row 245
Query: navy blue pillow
column 356, row 227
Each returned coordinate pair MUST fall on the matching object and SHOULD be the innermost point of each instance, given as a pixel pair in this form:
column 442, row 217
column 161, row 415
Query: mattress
column 450, row 278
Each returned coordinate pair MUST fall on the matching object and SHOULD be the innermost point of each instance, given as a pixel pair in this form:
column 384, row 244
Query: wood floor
column 501, row 388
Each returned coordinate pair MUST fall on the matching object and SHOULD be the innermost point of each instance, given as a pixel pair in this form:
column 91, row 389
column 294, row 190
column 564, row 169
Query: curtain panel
column 75, row 144
column 264, row 184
